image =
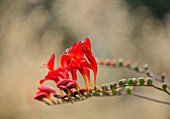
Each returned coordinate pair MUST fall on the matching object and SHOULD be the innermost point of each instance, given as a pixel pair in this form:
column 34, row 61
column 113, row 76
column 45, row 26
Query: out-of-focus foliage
column 159, row 8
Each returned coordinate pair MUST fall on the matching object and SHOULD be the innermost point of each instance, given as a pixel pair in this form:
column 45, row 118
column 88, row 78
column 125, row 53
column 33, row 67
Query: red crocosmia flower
column 73, row 62
column 44, row 92
column 67, row 84
column 87, row 50
column 64, row 82
column 76, row 49
column 47, row 89
column 41, row 95
column 54, row 75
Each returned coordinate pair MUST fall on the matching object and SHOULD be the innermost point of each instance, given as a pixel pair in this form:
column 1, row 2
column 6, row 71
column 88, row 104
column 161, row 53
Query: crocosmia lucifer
column 77, row 58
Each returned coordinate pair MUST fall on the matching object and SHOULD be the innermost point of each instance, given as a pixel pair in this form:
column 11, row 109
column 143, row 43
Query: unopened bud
column 114, row 92
column 128, row 89
column 114, row 84
column 130, row 81
column 121, row 83
column 149, row 81
column 164, row 86
column 141, row 81
column 111, row 85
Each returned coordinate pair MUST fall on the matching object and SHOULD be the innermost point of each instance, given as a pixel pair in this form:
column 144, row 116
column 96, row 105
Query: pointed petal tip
column 41, row 81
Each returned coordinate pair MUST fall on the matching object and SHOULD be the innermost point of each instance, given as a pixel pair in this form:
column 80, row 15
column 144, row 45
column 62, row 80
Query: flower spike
column 77, row 58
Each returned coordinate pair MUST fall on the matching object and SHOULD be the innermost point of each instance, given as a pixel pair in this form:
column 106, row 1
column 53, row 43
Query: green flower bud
column 128, row 89
column 111, row 85
column 114, row 91
column 103, row 90
column 114, row 84
column 164, row 86
column 130, row 81
column 121, row 83
column 141, row 81
column 149, row 81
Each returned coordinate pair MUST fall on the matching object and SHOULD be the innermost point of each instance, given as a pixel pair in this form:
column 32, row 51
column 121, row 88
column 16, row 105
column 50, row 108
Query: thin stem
column 149, row 98
column 128, row 65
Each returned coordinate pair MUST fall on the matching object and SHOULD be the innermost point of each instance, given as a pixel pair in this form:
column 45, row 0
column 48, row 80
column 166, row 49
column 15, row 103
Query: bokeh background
column 31, row 30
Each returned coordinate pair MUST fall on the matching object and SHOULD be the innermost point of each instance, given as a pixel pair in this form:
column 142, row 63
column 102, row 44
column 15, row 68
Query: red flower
column 41, row 95
column 73, row 62
column 44, row 92
column 90, row 57
column 47, row 89
column 67, row 84
column 54, row 75
column 78, row 58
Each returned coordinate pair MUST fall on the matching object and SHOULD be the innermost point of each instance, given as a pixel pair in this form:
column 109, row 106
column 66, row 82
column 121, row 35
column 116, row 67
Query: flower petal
column 50, row 63
column 41, row 95
column 47, row 89
column 64, row 82
column 87, row 43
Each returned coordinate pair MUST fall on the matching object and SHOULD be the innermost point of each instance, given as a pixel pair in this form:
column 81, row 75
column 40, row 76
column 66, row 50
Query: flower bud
column 121, row 83
column 130, row 81
column 114, row 91
column 141, row 81
column 103, row 90
column 114, row 84
column 149, row 81
column 111, row 85
column 128, row 89
column 164, row 86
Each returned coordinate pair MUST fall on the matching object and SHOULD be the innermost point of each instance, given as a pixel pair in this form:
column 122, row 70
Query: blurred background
column 31, row 30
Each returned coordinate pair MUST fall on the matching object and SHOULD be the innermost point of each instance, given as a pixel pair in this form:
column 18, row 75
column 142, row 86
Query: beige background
column 31, row 30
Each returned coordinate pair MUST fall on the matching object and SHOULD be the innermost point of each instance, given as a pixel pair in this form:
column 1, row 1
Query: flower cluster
column 78, row 58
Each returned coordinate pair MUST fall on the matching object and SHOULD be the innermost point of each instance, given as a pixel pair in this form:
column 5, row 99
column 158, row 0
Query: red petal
column 50, row 63
column 42, row 81
column 47, row 89
column 94, row 65
column 87, row 72
column 71, row 85
column 64, row 82
column 87, row 43
column 58, row 73
column 90, row 57
column 41, row 95
column 86, row 64
column 64, row 61
column 50, row 76
column 74, row 74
